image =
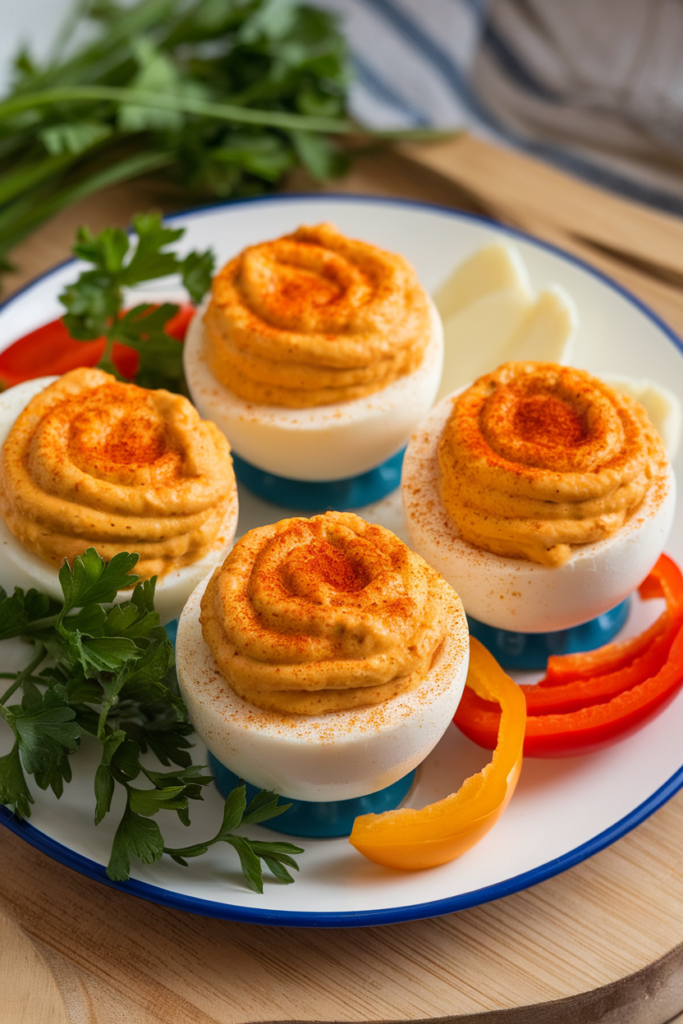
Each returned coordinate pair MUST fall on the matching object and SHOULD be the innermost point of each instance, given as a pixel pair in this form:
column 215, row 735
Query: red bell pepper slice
column 663, row 581
column 177, row 326
column 51, row 351
column 588, row 700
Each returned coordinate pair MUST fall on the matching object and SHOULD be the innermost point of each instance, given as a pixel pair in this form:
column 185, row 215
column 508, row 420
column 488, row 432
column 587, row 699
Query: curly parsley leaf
column 104, row 780
column 160, row 356
column 196, row 272
column 14, row 791
column 23, row 612
column 149, row 260
column 56, row 776
column 44, row 731
column 94, row 303
column 137, row 837
column 262, row 807
column 107, row 671
column 276, row 856
column 92, row 581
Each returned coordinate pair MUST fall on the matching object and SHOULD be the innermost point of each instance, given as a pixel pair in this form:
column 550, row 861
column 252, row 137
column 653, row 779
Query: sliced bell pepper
column 589, row 700
column 178, row 324
column 411, row 839
column 51, row 351
column 663, row 581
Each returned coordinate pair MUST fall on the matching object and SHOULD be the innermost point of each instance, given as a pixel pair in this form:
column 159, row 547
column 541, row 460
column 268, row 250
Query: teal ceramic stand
column 322, row 495
column 318, row 819
column 530, row 651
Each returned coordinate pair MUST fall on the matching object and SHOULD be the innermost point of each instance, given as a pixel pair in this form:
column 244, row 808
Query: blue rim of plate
column 388, row 915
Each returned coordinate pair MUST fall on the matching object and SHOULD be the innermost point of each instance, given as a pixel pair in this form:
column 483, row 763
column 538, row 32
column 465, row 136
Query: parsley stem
column 168, row 101
column 47, row 623
column 26, row 673
column 106, row 356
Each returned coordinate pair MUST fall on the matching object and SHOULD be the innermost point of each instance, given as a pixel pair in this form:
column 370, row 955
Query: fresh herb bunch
column 107, row 671
column 222, row 97
column 94, row 304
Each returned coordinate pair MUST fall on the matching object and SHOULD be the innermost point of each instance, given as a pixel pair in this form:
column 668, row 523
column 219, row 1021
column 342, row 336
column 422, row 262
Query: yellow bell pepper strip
column 411, row 839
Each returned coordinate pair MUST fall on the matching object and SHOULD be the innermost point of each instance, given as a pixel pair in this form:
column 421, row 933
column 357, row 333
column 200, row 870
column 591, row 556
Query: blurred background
column 198, row 100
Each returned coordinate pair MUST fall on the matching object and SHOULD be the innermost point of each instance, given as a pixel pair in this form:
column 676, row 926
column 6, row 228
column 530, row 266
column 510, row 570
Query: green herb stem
column 106, row 357
column 25, row 674
column 222, row 99
column 183, row 104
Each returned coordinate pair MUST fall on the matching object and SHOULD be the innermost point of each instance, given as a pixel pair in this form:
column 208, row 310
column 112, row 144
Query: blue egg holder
column 322, row 495
column 318, row 819
column 530, row 651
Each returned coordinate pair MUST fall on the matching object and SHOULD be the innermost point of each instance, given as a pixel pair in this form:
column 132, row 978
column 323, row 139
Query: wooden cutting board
column 600, row 943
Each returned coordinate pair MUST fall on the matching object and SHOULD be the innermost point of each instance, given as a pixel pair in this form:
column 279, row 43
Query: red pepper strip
column 594, row 727
column 664, row 581
column 595, row 709
column 563, row 668
column 580, row 693
column 651, row 587
column 177, row 326
column 51, row 351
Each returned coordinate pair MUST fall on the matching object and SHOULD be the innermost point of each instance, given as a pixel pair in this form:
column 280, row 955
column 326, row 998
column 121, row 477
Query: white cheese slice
column 476, row 337
column 495, row 267
column 492, row 315
column 547, row 332
column 662, row 406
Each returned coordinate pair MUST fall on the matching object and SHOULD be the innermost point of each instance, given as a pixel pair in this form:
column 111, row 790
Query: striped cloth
column 593, row 86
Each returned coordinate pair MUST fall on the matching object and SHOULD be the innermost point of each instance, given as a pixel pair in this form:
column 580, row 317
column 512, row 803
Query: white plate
column 563, row 811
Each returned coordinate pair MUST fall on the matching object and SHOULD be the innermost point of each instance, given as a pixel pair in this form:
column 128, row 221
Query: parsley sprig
column 106, row 671
column 221, row 98
column 94, row 303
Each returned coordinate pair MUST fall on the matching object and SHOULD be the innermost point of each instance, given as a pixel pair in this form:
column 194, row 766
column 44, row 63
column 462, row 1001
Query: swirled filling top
column 94, row 462
column 310, row 616
column 538, row 458
column 315, row 318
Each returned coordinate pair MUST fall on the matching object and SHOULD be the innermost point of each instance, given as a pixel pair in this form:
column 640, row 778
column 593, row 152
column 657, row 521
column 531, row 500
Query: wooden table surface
column 602, row 942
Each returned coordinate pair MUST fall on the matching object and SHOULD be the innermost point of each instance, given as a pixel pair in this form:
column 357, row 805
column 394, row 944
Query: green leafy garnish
column 106, row 671
column 94, row 303
column 219, row 97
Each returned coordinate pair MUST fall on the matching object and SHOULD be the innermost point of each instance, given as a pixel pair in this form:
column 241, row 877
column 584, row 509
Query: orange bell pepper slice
column 589, row 700
column 411, row 839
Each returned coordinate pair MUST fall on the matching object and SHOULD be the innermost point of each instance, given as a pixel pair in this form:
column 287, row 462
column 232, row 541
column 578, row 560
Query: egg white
column 513, row 593
column 318, row 757
column 20, row 567
column 329, row 442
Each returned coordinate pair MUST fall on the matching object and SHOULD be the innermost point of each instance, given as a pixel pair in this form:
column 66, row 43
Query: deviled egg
column 324, row 659
column 90, row 462
column 542, row 494
column 318, row 355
